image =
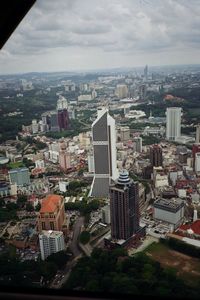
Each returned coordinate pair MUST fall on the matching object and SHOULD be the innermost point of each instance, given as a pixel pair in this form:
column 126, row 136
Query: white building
column 135, row 114
column 121, row 91
column 39, row 163
column 197, row 162
column 87, row 97
column 90, row 162
column 63, row 185
column 62, row 103
column 105, row 213
column 35, row 126
column 169, row 210
column 159, row 177
column 51, row 242
column 124, row 133
column 173, row 123
column 104, row 149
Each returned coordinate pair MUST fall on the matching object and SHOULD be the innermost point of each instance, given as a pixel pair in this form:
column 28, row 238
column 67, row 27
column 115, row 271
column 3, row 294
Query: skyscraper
column 138, row 143
column 121, row 91
column 156, row 158
column 64, row 160
column 198, row 134
column 173, row 123
column 104, row 149
column 124, row 207
column 146, row 73
column 51, row 242
column 62, row 110
column 197, row 162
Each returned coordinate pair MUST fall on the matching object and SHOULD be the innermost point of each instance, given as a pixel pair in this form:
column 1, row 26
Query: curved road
column 74, row 243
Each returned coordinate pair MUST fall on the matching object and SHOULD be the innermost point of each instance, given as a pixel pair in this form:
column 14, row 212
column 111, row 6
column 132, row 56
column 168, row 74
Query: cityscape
column 100, row 179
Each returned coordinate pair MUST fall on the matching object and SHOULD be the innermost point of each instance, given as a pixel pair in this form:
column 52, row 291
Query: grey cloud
column 123, row 27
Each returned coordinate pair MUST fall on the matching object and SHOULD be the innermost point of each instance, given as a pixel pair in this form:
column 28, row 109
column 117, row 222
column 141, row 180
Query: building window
column 43, row 226
column 52, row 225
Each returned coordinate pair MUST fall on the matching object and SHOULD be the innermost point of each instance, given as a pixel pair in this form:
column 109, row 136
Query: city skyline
column 72, row 35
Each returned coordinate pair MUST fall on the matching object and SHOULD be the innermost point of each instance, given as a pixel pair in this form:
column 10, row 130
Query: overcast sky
column 65, row 35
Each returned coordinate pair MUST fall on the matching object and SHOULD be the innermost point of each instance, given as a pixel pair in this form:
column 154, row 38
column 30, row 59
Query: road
column 74, row 244
column 62, row 276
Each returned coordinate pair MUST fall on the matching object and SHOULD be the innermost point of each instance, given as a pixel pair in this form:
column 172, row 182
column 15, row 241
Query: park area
column 187, row 267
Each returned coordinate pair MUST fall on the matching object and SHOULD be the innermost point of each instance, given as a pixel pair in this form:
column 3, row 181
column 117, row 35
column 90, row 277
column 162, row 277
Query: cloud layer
column 77, row 34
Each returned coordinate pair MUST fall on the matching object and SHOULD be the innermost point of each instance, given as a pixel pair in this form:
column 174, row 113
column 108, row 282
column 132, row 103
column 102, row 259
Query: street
column 62, row 276
column 74, row 243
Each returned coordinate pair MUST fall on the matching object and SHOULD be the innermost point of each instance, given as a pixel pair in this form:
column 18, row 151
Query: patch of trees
column 84, row 237
column 75, row 187
column 60, row 259
column 181, row 247
column 114, row 272
column 150, row 139
column 83, row 206
column 13, row 272
column 8, row 211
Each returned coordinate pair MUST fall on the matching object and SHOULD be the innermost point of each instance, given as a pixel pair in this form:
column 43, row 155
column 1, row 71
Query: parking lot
column 28, row 254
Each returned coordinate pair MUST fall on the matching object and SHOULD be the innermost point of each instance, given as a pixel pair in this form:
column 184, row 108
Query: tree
column 29, row 207
column 84, row 237
column 59, row 258
column 21, row 199
column 38, row 207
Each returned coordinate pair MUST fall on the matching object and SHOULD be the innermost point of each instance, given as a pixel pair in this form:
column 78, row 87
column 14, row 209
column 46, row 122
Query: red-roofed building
column 190, row 230
column 52, row 213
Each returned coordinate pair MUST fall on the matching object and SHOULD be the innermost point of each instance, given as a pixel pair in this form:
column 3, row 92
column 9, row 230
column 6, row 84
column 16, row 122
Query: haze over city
column 83, row 35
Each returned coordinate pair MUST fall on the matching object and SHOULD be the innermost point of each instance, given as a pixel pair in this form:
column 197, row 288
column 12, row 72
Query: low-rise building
column 169, row 210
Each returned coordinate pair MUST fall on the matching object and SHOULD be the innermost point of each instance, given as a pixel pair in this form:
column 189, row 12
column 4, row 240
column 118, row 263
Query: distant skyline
column 75, row 35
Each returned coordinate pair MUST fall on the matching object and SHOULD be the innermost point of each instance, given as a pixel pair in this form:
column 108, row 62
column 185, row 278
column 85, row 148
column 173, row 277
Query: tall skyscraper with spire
column 104, row 150
column 146, row 73
column 62, row 113
column 198, row 134
column 124, row 207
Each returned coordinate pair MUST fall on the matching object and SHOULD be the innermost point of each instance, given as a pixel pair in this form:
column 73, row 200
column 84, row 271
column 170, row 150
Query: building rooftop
column 51, row 233
column 18, row 170
column 195, row 227
column 168, row 203
column 50, row 203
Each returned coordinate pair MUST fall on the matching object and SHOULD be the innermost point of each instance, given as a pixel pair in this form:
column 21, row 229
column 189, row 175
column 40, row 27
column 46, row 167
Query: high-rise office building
column 156, row 157
column 173, row 123
column 124, row 207
column 104, row 149
column 124, row 133
column 138, row 143
column 146, row 73
column 53, row 120
column 51, row 242
column 142, row 91
column 62, row 110
column 64, row 160
column 19, row 176
column 197, row 162
column 52, row 213
column 198, row 134
column 121, row 91
column 195, row 149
